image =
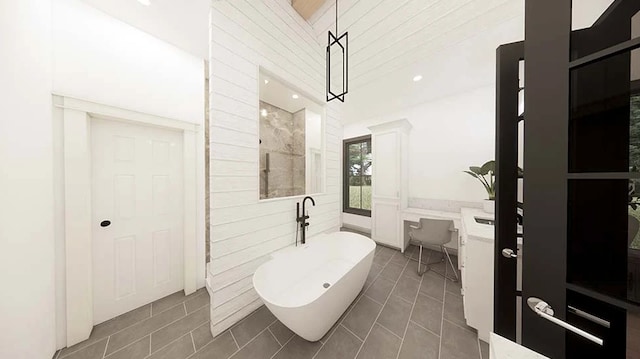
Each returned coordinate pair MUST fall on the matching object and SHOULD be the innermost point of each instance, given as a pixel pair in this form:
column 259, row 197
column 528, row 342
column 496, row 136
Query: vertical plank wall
column 246, row 35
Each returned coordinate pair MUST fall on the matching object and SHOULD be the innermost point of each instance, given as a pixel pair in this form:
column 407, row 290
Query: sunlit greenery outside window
column 357, row 176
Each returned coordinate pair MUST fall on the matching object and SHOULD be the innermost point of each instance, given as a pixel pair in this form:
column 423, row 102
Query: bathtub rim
column 291, row 251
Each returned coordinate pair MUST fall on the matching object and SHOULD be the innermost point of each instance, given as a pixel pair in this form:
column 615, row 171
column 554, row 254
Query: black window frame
column 345, row 176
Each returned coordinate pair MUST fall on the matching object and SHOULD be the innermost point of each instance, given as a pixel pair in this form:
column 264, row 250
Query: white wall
column 247, row 34
column 353, row 221
column 100, row 59
column 313, row 145
column 313, row 130
column 448, row 135
column 27, row 314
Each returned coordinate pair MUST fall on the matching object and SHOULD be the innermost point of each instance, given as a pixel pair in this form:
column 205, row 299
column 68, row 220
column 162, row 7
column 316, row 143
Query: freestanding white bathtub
column 309, row 287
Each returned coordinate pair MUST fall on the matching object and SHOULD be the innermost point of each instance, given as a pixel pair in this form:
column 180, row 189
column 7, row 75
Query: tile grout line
column 354, row 334
column 192, row 342
column 104, row 353
column 346, row 314
column 257, row 335
column 415, row 299
column 389, row 330
column 428, row 330
column 364, row 295
column 166, row 345
column 249, row 342
column 127, row 327
column 212, row 339
column 136, row 340
column 381, row 309
column 234, row 339
column 405, row 299
column 274, row 336
column 282, row 347
column 459, row 326
column 444, row 293
column 128, row 345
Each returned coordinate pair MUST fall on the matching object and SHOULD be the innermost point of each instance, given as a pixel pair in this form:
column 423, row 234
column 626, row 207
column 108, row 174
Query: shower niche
column 291, row 141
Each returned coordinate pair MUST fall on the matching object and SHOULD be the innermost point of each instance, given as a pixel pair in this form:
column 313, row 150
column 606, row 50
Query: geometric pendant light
column 340, row 46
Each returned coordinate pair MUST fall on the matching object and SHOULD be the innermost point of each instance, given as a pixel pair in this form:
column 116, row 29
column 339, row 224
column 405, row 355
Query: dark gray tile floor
column 174, row 327
column 397, row 315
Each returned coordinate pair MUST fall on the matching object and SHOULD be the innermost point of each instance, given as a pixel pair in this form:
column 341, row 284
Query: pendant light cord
column 336, row 18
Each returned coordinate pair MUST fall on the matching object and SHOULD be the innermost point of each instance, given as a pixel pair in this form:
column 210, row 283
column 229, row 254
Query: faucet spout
column 302, row 219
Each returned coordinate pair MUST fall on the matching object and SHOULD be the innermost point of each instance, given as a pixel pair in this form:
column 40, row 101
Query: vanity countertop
column 475, row 230
column 430, row 213
column 502, row 348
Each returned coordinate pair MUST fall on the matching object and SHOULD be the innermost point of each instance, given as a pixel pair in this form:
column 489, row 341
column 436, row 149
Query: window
column 357, row 176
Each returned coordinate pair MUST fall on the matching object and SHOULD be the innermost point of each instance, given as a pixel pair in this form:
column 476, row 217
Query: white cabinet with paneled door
column 389, row 182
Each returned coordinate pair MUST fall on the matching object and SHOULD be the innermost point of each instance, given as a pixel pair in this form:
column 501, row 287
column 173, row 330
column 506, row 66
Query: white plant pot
column 489, row 206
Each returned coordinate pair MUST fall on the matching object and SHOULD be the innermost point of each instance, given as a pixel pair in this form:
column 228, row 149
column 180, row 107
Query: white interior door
column 137, row 185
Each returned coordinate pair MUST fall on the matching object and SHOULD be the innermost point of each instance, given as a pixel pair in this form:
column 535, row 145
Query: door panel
column 138, row 186
column 579, row 149
column 386, row 182
column 385, row 221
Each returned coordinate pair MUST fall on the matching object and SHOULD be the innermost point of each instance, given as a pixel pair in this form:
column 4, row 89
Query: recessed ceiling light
column 417, row 78
column 145, row 2
column 295, row 97
column 266, row 81
column 263, row 112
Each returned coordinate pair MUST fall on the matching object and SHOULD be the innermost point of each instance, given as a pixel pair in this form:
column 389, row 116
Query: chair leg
column 420, row 263
column 455, row 271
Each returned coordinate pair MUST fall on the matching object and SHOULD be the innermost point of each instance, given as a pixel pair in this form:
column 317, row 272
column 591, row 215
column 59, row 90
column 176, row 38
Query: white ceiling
column 182, row 23
column 451, row 43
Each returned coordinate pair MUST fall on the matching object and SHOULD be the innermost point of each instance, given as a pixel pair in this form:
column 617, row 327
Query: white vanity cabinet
column 389, row 181
column 477, row 251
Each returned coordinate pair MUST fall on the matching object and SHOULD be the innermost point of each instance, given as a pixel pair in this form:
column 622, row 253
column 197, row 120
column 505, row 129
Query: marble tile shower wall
column 282, row 139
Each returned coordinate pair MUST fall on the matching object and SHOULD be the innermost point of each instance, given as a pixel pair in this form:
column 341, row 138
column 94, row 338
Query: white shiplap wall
column 247, row 35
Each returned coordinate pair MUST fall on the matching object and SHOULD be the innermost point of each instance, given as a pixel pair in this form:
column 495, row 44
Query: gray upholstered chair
column 433, row 232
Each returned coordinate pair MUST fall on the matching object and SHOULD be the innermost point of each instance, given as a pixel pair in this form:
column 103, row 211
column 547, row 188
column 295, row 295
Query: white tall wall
column 247, row 34
column 101, row 59
column 448, row 135
column 27, row 315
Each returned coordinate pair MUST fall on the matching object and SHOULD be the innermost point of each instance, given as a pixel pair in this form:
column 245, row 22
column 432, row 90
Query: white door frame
column 77, row 116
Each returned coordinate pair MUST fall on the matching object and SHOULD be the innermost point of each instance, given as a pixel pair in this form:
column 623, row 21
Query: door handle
column 105, row 223
column 589, row 317
column 508, row 253
column 544, row 310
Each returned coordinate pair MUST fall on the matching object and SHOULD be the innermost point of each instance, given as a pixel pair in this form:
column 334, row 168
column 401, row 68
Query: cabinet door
column 386, row 222
column 386, row 159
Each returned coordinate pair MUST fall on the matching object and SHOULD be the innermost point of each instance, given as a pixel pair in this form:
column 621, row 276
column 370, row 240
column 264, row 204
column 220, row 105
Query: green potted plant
column 486, row 175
